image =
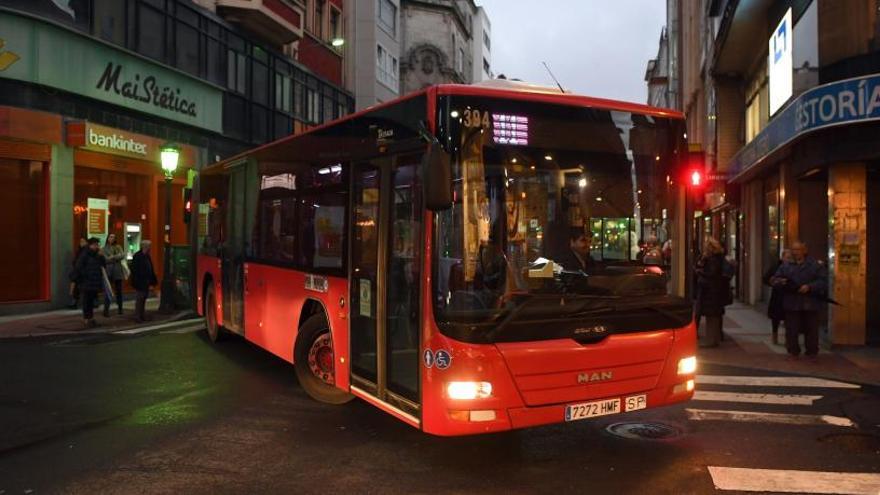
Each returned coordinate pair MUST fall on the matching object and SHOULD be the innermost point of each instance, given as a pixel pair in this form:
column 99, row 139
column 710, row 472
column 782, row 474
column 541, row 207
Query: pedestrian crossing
column 737, row 399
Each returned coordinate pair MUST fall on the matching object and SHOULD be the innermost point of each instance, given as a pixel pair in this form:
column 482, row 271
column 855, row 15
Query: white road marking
column 760, row 417
column 798, row 400
column 773, row 381
column 160, row 326
column 788, row 481
column 190, row 330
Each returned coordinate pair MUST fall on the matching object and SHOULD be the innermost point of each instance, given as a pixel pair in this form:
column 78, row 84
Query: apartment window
column 460, row 65
column 236, row 71
column 386, row 68
column 109, row 21
column 388, row 16
column 283, row 93
column 151, row 32
column 486, row 66
column 486, row 40
column 318, row 24
column 335, row 24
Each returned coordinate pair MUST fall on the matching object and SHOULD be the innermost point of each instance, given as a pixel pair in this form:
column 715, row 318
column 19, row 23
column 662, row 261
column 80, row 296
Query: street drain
column 644, row 431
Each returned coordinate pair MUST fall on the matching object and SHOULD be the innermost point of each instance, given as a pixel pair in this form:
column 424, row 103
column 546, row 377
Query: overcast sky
column 594, row 47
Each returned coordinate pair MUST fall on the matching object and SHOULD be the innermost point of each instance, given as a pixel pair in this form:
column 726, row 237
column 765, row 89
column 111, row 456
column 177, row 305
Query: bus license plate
column 586, row 410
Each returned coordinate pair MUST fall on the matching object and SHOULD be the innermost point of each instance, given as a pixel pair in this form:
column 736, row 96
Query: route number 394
column 476, row 119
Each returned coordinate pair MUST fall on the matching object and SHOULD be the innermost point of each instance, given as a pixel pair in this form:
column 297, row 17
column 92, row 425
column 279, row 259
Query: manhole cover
column 644, row 431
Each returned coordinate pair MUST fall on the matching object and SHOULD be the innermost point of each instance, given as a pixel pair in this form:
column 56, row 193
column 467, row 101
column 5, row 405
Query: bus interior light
column 468, row 390
column 687, row 366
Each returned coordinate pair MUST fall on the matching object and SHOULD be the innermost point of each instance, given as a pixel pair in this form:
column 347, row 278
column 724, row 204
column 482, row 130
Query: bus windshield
column 559, row 212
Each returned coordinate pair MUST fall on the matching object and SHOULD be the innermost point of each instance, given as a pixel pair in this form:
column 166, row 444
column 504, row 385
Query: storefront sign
column 94, row 137
column 76, row 63
column 780, row 63
column 98, row 211
column 843, row 102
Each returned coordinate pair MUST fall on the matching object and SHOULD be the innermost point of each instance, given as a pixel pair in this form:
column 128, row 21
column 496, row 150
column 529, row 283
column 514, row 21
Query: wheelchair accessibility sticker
column 441, row 359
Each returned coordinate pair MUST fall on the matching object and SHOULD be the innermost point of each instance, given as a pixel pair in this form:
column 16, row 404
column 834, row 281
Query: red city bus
column 468, row 259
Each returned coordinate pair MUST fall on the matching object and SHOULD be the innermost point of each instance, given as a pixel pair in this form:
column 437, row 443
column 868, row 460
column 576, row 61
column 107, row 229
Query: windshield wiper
column 564, row 299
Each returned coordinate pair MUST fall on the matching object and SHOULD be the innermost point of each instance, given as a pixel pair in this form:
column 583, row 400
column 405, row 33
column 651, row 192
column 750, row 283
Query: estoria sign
column 78, row 64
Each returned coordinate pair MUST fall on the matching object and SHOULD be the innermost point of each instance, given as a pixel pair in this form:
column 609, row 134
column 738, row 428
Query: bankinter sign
column 116, row 142
column 94, row 137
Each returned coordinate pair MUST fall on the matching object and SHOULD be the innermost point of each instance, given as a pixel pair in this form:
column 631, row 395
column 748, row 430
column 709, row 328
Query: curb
column 181, row 320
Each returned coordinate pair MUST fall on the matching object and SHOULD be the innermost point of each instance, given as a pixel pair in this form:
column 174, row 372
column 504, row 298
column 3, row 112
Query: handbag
column 126, row 272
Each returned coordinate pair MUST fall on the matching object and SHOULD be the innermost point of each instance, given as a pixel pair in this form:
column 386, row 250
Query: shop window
column 127, row 196
column 24, row 224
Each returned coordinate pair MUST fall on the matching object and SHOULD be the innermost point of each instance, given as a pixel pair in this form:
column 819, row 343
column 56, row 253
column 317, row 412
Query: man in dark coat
column 142, row 277
column 713, row 291
column 805, row 282
column 775, row 308
column 577, row 256
column 89, row 278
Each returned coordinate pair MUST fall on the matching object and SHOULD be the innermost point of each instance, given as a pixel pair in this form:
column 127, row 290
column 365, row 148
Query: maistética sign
column 73, row 62
column 148, row 90
column 843, row 102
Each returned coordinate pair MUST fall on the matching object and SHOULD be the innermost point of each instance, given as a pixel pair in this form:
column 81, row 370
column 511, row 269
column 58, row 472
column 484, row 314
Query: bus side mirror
column 437, row 178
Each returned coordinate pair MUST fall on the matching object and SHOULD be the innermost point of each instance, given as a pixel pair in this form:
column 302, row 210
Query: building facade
column 438, row 37
column 786, row 110
column 482, row 47
column 373, row 63
column 90, row 92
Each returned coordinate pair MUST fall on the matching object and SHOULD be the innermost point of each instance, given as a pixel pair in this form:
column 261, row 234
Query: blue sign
column 842, row 102
column 442, row 359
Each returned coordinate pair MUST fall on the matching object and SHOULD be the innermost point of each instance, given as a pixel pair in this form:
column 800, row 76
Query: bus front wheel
column 315, row 362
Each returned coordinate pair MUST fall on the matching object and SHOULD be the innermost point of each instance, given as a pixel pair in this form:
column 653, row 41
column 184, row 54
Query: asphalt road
column 171, row 413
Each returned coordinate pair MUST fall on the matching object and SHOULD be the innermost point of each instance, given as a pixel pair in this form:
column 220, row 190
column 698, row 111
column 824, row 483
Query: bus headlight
column 687, row 366
column 468, row 390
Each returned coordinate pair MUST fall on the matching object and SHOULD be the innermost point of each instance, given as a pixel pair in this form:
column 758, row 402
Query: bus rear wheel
column 315, row 362
column 214, row 331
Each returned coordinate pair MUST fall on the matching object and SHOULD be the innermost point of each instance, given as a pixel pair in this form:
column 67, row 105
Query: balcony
column 277, row 21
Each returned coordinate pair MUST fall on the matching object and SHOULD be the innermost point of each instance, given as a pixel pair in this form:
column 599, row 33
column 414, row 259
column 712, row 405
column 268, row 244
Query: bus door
column 385, row 280
column 234, row 250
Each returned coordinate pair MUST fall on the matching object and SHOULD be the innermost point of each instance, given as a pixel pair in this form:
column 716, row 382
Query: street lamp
column 170, row 154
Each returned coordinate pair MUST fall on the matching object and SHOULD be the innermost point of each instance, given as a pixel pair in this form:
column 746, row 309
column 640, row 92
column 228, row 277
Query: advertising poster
column 96, row 225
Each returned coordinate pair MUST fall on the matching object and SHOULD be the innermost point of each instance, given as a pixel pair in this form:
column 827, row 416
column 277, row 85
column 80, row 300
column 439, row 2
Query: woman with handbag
column 115, row 257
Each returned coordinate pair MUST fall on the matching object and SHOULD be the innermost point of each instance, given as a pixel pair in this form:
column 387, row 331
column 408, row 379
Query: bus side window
column 321, row 226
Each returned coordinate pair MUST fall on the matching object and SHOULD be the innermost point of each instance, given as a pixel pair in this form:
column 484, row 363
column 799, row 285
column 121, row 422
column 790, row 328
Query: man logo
column 595, row 377
column 596, row 330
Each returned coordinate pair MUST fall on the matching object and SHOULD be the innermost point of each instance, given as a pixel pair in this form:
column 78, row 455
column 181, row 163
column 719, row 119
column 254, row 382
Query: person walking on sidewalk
column 114, row 256
column 89, row 278
column 713, row 290
column 74, row 287
column 805, row 285
column 142, row 277
column 775, row 307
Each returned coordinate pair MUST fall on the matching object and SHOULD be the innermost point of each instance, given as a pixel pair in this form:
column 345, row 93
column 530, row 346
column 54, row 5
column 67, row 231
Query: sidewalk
column 748, row 343
column 69, row 321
